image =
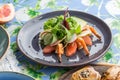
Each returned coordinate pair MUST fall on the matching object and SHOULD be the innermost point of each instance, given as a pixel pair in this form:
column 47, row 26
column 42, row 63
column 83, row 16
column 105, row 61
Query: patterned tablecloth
column 14, row 60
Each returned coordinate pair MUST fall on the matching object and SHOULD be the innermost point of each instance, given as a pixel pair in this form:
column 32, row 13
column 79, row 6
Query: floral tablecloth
column 14, row 60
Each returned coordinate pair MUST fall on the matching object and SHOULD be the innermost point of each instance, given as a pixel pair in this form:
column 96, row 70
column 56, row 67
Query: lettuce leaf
column 50, row 23
column 74, row 26
column 47, row 39
column 58, row 31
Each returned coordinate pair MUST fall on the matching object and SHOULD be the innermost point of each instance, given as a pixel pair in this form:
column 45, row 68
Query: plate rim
column 13, row 72
column 5, row 51
column 54, row 65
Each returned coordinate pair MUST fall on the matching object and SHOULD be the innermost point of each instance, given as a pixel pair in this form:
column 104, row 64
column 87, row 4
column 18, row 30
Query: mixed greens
column 66, row 34
column 56, row 30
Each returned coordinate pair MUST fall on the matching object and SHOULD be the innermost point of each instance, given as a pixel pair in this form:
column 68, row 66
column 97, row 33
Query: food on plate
column 71, row 48
column 48, row 49
column 66, row 34
column 7, row 13
column 86, row 73
column 93, row 72
column 112, row 73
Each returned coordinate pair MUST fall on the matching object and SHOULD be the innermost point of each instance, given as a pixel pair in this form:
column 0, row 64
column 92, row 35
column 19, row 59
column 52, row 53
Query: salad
column 66, row 34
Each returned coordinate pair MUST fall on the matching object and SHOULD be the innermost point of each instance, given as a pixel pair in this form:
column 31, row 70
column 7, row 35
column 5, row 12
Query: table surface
column 14, row 60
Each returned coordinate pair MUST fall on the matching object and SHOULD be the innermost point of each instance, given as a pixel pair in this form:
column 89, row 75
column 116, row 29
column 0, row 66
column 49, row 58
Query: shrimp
column 84, row 45
column 60, row 51
column 92, row 30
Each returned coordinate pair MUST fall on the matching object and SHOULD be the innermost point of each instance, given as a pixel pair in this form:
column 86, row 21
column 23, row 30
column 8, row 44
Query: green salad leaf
column 54, row 38
column 58, row 31
column 50, row 23
column 78, row 29
column 68, row 36
column 74, row 26
column 72, row 23
column 60, row 18
column 47, row 38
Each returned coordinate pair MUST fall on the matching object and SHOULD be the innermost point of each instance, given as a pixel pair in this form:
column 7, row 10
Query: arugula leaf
column 58, row 31
column 72, row 22
column 78, row 29
column 54, row 39
column 50, row 23
column 74, row 26
column 68, row 36
column 60, row 18
column 47, row 38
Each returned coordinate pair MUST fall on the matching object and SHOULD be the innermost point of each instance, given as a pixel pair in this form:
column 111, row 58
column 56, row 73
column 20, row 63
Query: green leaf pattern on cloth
column 107, row 10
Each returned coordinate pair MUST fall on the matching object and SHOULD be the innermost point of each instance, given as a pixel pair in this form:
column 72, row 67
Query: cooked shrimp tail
column 87, row 40
column 59, row 51
column 84, row 46
column 93, row 31
column 60, row 58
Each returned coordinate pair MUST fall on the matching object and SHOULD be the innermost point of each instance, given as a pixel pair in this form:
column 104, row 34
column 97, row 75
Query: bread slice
column 112, row 73
column 86, row 73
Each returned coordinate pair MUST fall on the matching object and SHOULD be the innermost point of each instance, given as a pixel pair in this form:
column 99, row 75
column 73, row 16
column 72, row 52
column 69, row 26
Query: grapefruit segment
column 48, row 49
column 7, row 13
column 87, row 40
column 71, row 49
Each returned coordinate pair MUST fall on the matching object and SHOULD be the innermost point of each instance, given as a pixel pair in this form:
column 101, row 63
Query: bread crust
column 112, row 73
column 86, row 73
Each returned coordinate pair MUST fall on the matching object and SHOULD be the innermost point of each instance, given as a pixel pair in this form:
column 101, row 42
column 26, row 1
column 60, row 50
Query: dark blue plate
column 4, row 41
column 13, row 76
column 28, row 38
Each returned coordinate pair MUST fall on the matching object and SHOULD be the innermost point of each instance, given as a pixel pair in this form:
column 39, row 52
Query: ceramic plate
column 27, row 41
column 4, row 41
column 13, row 76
